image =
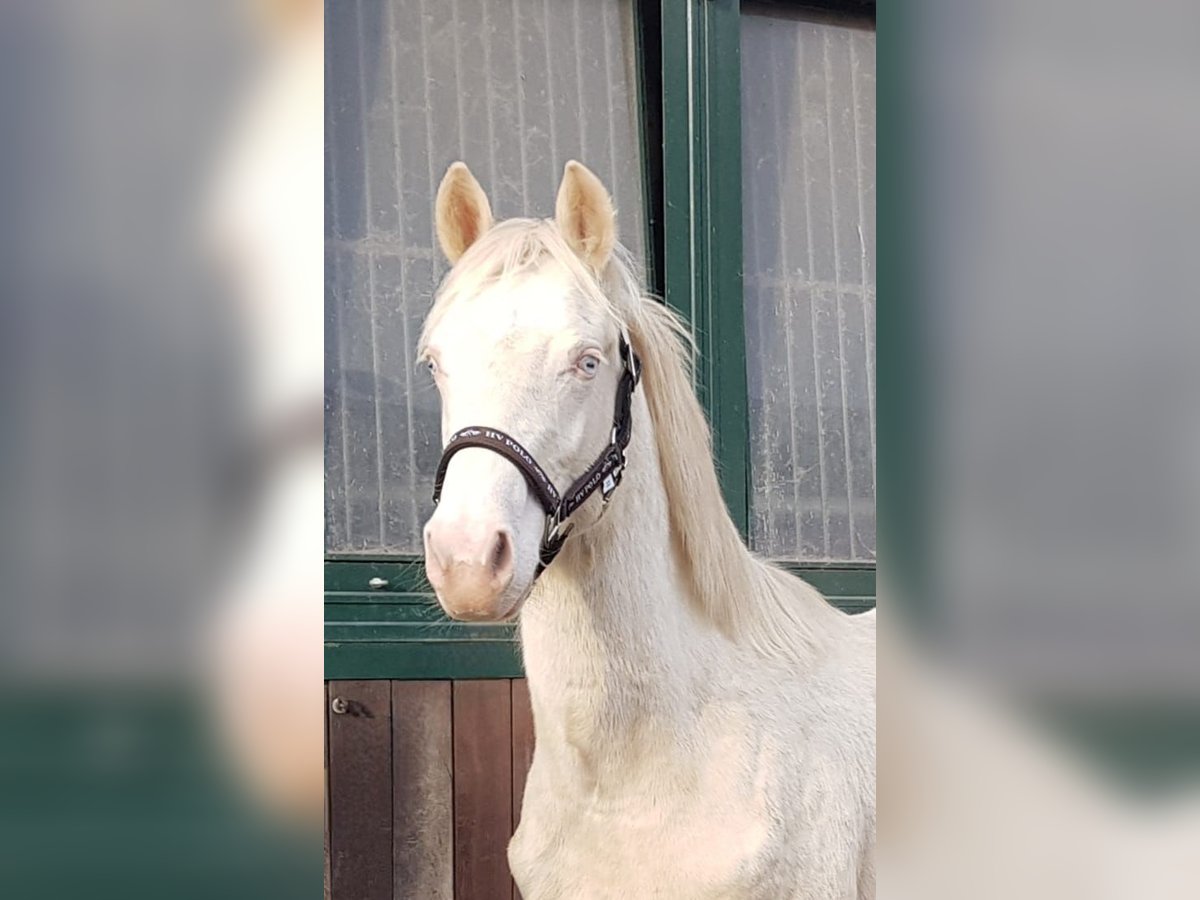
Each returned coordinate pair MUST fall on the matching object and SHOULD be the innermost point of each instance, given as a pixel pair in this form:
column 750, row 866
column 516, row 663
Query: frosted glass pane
column 808, row 164
column 514, row 88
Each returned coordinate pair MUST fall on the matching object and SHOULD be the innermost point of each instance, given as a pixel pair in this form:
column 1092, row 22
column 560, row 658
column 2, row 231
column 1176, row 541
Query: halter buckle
column 553, row 525
column 630, row 359
column 553, row 539
column 613, row 477
column 610, row 485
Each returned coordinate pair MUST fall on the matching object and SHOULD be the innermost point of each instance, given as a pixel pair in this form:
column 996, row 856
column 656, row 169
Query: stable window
column 515, row 89
column 808, row 200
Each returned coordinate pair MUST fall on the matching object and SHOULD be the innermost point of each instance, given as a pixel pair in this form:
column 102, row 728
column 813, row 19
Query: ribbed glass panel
column 515, row 88
column 808, row 164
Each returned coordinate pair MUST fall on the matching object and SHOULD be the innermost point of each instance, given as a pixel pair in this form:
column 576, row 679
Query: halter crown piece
column 603, row 475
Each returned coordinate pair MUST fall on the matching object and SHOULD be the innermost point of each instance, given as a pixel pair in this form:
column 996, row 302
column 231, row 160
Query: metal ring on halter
column 604, row 474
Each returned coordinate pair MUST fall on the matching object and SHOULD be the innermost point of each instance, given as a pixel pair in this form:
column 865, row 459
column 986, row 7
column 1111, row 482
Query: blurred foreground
column 1039, row 413
column 160, row 248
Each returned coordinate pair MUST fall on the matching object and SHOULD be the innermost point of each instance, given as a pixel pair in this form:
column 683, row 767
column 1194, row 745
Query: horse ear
column 585, row 216
column 463, row 213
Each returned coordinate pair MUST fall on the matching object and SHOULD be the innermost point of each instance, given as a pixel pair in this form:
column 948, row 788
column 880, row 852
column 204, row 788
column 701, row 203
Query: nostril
column 502, row 555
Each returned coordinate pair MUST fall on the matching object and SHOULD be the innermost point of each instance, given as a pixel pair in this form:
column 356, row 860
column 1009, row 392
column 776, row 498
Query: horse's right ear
column 585, row 215
column 462, row 212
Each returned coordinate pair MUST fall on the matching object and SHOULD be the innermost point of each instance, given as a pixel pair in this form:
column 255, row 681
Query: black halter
column 604, row 474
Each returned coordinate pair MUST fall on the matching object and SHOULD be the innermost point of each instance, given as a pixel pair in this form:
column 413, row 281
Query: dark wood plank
column 325, row 724
column 360, row 790
column 423, row 802
column 482, row 789
column 522, row 751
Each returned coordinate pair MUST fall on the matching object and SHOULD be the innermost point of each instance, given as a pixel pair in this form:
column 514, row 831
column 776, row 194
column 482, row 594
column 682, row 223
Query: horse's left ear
column 585, row 216
column 462, row 211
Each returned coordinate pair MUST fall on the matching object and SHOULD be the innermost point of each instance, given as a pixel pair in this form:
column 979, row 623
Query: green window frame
column 380, row 617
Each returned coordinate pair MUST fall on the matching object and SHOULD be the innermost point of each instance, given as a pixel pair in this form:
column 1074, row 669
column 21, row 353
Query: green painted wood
column 426, row 611
column 383, row 600
column 648, row 55
column 702, row 220
column 433, row 660
column 836, row 581
column 406, row 632
column 399, row 631
column 350, row 574
column 902, row 373
column 854, row 605
column 833, row 579
column 405, row 635
column 806, row 7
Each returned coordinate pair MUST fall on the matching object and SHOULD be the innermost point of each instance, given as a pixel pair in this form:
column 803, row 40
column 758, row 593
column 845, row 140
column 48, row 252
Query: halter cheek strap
column 603, row 475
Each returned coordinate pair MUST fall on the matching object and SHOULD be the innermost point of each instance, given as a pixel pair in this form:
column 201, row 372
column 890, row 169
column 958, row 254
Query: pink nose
column 470, row 568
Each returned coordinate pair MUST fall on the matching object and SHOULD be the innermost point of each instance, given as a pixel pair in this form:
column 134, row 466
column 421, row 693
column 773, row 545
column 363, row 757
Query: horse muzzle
column 471, row 570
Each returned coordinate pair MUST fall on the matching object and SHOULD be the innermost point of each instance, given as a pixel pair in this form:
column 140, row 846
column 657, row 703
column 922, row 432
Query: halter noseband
column 604, row 474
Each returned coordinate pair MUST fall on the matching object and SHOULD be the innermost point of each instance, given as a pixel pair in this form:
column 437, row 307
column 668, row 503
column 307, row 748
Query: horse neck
column 609, row 640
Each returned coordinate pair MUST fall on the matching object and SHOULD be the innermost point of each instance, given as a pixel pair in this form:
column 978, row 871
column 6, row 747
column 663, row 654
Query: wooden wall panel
column 424, row 784
column 482, row 789
column 522, row 751
column 423, row 798
column 360, row 790
column 328, row 889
